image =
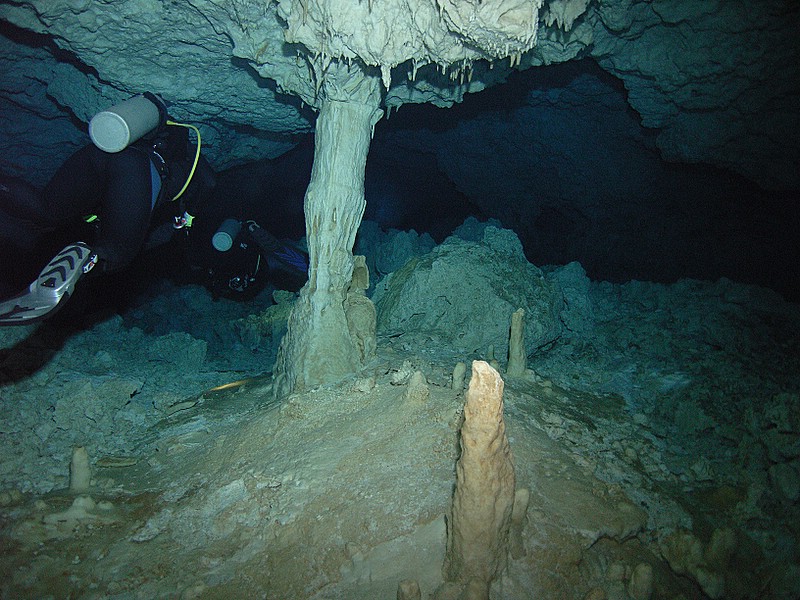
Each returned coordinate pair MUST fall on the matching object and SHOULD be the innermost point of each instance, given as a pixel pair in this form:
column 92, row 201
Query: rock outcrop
column 465, row 292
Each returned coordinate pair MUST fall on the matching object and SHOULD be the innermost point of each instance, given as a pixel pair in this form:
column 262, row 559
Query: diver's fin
column 51, row 289
column 294, row 259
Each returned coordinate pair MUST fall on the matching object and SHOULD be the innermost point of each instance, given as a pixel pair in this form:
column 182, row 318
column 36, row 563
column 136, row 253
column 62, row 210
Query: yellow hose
column 196, row 157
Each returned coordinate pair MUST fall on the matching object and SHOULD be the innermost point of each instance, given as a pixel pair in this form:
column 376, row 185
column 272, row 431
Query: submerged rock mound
column 463, row 294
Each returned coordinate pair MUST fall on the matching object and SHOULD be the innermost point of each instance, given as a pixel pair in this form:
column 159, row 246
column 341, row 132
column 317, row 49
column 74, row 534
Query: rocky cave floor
column 668, row 437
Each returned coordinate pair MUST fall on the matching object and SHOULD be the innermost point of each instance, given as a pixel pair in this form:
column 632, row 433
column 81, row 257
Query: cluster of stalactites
column 382, row 34
column 564, row 12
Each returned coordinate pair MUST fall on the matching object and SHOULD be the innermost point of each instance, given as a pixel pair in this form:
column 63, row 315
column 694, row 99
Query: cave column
column 318, row 346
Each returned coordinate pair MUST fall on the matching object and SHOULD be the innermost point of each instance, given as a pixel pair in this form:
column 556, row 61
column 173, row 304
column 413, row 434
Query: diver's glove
column 51, row 289
column 183, row 221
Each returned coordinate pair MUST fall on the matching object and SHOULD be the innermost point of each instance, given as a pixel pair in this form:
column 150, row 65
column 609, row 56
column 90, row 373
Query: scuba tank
column 145, row 117
column 223, row 238
column 235, row 261
column 114, row 129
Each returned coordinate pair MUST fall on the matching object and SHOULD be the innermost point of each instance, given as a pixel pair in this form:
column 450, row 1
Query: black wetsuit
column 123, row 189
column 131, row 192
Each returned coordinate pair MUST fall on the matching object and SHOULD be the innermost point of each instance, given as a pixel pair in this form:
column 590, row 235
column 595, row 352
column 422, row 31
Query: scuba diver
column 242, row 255
column 137, row 184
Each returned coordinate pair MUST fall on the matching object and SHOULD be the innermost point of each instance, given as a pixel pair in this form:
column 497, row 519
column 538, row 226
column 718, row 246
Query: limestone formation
column 360, row 311
column 408, row 589
column 688, row 67
column 459, row 373
column 463, row 292
column 517, row 357
column 478, row 528
column 344, row 55
column 80, row 473
column 401, row 374
column 687, row 556
column 338, row 58
column 640, row 586
column 516, row 542
column 318, row 346
column 418, row 391
column 263, row 330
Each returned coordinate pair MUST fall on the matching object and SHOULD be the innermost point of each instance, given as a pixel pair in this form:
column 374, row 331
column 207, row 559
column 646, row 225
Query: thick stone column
column 318, row 346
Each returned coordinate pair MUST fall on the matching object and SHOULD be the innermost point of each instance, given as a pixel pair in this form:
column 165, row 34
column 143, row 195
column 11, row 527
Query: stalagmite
column 80, row 474
column 478, row 529
column 459, row 373
column 408, row 589
column 490, row 358
column 418, row 391
column 517, row 357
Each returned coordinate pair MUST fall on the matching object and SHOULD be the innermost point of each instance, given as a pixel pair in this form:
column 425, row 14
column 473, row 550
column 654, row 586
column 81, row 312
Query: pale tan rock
column 459, row 374
column 517, row 357
column 408, row 589
column 640, row 586
column 418, row 391
column 478, row 529
column 80, row 473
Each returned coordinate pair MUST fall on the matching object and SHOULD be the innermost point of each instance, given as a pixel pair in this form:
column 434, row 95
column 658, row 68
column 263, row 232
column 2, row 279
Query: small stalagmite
column 418, row 391
column 517, row 360
column 459, row 374
column 80, row 473
column 478, row 529
column 408, row 589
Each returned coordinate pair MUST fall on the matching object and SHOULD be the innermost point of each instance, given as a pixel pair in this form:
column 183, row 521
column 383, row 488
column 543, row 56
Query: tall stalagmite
column 477, row 532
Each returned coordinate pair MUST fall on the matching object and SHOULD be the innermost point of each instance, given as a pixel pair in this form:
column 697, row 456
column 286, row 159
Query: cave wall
column 559, row 156
column 574, row 162
column 717, row 81
column 63, row 62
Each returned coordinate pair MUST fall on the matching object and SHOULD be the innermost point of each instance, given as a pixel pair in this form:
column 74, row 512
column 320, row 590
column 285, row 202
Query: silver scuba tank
column 115, row 128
